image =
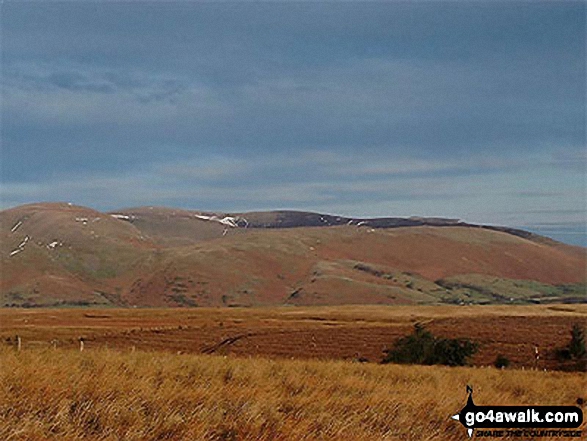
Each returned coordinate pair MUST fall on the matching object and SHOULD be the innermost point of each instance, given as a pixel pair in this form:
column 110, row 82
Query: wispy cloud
column 323, row 180
column 75, row 95
column 574, row 159
column 464, row 110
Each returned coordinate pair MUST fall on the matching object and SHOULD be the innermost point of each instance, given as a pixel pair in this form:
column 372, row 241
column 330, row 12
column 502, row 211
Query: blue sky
column 473, row 110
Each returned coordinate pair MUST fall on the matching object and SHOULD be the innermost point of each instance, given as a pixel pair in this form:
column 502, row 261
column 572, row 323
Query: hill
column 56, row 254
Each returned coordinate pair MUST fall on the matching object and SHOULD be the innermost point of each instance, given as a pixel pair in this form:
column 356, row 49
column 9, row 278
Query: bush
column 501, row 362
column 563, row 354
column 575, row 350
column 421, row 347
column 573, row 356
column 577, row 344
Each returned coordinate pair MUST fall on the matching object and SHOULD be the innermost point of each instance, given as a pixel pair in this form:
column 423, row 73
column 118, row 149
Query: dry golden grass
column 110, row 395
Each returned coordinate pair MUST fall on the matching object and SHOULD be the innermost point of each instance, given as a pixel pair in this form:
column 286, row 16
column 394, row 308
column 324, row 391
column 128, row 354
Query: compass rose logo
column 469, row 407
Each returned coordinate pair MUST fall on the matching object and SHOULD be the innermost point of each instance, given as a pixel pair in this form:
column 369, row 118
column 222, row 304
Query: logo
column 519, row 419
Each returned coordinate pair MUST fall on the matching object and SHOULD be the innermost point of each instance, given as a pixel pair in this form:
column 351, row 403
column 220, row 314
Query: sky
column 468, row 109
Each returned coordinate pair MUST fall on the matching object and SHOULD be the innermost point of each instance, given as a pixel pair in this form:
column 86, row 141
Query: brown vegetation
column 76, row 256
column 343, row 332
column 110, row 395
column 176, row 374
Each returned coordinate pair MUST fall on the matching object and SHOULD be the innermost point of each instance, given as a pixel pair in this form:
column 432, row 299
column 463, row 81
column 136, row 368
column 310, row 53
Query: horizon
column 577, row 238
column 463, row 110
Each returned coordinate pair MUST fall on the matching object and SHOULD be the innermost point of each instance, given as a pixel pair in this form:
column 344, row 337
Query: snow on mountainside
column 62, row 254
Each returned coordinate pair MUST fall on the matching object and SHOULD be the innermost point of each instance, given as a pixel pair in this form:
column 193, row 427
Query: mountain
column 57, row 254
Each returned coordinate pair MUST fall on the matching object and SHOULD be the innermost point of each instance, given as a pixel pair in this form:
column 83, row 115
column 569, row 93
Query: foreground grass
column 109, row 395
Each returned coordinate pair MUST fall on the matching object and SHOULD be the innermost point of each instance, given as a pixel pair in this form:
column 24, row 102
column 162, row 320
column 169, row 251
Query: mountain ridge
column 159, row 256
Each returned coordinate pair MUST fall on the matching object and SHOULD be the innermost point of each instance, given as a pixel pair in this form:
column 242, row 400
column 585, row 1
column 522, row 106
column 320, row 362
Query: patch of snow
column 54, row 244
column 18, row 224
column 83, row 220
column 361, row 223
column 230, row 221
column 122, row 217
column 20, row 246
column 227, row 220
column 24, row 241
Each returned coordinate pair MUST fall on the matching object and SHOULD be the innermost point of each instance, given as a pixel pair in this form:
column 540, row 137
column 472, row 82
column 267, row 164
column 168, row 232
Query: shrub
column 574, row 355
column 415, row 348
column 577, row 344
column 501, row 362
column 575, row 350
column 421, row 347
column 562, row 354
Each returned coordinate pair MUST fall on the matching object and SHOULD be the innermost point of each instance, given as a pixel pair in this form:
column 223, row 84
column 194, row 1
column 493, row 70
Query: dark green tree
column 416, row 348
column 501, row 362
column 453, row 351
column 421, row 347
column 576, row 346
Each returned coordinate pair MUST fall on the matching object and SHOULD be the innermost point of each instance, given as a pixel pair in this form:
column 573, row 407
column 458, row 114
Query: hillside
column 56, row 254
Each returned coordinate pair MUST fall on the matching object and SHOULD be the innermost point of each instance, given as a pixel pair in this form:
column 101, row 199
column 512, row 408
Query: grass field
column 268, row 373
column 341, row 332
column 110, row 395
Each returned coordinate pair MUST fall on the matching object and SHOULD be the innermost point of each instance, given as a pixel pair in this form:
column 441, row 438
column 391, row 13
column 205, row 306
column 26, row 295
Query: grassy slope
column 171, row 258
column 92, row 249
column 109, row 395
column 341, row 265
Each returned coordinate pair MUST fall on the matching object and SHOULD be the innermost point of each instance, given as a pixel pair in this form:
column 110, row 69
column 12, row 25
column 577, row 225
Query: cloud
column 571, row 159
column 537, row 194
column 313, row 178
column 472, row 111
column 443, row 106
column 482, row 190
column 75, row 95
